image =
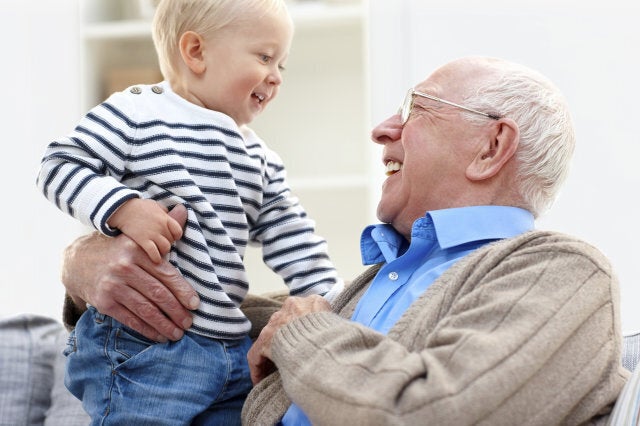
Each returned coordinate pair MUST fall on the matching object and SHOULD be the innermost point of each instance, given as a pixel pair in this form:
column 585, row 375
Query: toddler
column 185, row 140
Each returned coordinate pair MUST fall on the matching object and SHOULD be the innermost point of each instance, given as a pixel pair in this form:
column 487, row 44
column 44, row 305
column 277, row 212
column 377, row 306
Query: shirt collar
column 452, row 227
column 462, row 225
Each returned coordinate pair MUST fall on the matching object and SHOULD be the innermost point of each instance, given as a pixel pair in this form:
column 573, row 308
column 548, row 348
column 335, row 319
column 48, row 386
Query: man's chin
column 383, row 214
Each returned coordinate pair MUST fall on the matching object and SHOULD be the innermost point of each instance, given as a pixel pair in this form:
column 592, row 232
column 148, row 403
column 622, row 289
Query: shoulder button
column 157, row 89
column 135, row 90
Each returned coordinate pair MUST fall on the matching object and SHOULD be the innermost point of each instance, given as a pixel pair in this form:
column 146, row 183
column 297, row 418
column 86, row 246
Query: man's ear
column 191, row 50
column 496, row 151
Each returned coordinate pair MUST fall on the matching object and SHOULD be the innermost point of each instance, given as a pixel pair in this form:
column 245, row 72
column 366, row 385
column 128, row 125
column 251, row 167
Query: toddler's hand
column 148, row 224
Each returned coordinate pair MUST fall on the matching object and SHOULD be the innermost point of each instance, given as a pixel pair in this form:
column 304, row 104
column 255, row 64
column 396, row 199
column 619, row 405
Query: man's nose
column 388, row 131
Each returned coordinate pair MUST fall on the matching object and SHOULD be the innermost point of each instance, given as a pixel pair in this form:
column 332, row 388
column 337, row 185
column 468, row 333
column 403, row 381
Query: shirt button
column 393, row 276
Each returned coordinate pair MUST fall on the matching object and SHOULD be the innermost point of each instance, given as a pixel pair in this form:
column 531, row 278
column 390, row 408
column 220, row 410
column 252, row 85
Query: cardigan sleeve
column 524, row 335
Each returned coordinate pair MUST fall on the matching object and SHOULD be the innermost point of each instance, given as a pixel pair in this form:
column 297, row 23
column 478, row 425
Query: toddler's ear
column 191, row 50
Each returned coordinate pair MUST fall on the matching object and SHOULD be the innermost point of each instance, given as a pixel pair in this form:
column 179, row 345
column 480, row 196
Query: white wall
column 40, row 99
column 591, row 50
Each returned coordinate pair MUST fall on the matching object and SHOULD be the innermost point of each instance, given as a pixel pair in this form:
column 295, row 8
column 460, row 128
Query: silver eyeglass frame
column 407, row 106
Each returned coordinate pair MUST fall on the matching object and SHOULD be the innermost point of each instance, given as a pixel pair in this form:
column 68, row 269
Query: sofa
column 32, row 370
column 31, row 374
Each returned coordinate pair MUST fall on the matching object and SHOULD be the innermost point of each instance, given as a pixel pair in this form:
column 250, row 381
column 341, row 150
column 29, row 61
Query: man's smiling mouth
column 392, row 167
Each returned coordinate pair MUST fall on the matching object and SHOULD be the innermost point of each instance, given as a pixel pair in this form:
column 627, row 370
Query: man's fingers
column 149, row 321
column 174, row 288
column 161, row 284
column 118, row 278
column 259, row 365
column 167, row 297
column 298, row 306
column 261, row 370
column 259, row 356
column 179, row 214
column 134, row 322
column 129, row 306
column 253, row 359
column 165, row 303
column 132, row 284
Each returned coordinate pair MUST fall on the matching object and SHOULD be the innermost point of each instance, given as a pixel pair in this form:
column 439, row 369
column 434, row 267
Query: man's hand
column 117, row 277
column 259, row 355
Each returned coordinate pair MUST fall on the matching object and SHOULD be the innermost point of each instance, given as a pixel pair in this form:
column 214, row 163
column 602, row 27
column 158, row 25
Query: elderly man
column 468, row 315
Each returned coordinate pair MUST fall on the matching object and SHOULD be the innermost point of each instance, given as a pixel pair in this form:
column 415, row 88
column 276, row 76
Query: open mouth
column 392, row 167
column 260, row 97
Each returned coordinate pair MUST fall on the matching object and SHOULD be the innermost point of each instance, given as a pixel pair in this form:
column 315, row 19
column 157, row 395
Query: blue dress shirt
column 438, row 240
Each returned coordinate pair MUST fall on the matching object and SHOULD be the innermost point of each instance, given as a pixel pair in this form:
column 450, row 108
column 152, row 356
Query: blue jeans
column 123, row 378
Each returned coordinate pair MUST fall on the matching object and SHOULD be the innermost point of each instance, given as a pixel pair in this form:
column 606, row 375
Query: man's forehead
column 436, row 89
column 430, row 86
column 450, row 80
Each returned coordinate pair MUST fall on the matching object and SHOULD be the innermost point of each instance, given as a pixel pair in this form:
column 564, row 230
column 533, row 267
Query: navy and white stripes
column 159, row 146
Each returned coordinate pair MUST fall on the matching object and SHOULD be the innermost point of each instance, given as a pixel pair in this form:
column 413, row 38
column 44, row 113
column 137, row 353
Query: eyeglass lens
column 407, row 105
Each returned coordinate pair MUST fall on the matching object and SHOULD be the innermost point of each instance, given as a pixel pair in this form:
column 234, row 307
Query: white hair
column 547, row 136
column 205, row 17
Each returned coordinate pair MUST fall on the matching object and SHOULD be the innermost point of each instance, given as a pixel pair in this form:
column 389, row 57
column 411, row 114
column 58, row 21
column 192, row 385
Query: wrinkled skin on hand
column 117, row 277
column 259, row 356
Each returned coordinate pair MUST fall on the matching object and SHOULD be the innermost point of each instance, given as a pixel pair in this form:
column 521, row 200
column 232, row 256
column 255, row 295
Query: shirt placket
column 391, row 277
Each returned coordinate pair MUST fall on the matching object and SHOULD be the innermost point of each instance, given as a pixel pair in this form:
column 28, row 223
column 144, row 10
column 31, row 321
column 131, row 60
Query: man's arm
column 117, row 277
column 492, row 342
column 259, row 355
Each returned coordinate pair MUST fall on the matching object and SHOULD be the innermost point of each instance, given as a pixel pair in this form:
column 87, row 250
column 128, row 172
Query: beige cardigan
column 525, row 331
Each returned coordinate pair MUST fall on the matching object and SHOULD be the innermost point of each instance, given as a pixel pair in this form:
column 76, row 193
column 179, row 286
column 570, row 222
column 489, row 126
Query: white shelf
column 306, row 15
column 118, row 30
column 313, row 14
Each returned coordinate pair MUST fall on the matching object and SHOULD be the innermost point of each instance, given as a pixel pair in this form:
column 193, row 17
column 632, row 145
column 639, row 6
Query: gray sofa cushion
column 31, row 374
column 631, row 351
column 32, row 391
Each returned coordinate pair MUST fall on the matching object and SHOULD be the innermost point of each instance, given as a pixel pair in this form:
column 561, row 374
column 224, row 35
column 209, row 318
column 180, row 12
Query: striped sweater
column 149, row 142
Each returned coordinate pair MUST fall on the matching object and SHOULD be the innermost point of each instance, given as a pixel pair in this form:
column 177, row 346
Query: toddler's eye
column 265, row 58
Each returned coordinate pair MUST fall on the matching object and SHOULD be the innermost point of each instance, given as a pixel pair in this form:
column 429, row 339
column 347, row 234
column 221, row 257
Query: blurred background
column 350, row 65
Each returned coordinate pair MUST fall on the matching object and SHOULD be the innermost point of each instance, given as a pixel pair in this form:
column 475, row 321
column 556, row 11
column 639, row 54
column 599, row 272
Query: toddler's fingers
column 174, row 228
column 152, row 251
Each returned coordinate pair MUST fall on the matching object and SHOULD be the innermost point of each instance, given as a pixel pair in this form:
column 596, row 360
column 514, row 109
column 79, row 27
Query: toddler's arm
column 148, row 224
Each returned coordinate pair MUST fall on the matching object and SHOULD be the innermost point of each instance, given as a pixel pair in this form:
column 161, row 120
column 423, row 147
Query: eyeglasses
column 407, row 106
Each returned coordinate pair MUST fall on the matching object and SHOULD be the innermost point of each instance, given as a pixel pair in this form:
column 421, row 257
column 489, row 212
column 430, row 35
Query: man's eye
column 426, row 108
column 420, row 109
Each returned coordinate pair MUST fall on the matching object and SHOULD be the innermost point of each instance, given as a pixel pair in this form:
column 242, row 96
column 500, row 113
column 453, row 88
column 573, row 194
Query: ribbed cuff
column 297, row 341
